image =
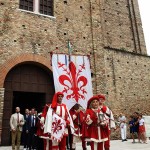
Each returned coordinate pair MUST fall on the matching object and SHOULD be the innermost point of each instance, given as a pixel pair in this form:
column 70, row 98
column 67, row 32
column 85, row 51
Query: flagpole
column 69, row 50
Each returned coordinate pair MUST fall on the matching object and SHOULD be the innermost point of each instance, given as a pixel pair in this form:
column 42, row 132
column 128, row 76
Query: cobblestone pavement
column 115, row 145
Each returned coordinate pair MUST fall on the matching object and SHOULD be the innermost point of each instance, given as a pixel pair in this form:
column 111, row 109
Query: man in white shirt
column 16, row 124
column 123, row 127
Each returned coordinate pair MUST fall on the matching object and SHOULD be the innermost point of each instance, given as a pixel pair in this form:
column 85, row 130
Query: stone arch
column 7, row 95
column 9, row 64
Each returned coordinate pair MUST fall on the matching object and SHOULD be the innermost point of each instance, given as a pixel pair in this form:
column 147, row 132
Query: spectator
column 131, row 125
column 25, row 131
column 123, row 127
column 142, row 129
column 32, row 129
column 136, row 125
column 16, row 124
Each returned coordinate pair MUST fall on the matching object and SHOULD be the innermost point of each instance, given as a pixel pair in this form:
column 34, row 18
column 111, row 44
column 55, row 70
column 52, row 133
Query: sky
column 144, row 6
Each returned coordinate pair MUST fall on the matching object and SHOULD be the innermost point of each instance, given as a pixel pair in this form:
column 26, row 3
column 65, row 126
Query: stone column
column 1, row 109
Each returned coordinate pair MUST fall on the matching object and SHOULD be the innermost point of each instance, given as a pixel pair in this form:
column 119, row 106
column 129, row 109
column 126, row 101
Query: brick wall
column 109, row 31
column 128, row 81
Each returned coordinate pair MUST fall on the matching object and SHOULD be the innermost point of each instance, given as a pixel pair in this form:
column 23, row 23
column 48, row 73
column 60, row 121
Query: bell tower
column 121, row 26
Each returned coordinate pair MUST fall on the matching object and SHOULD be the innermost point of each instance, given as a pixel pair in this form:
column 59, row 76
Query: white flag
column 73, row 78
column 58, row 128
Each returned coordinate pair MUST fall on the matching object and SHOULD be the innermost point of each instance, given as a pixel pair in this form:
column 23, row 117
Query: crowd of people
column 136, row 127
column 90, row 126
column 24, row 128
column 57, row 128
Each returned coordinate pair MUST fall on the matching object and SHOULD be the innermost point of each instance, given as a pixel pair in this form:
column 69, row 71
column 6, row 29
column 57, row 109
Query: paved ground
column 115, row 145
column 128, row 145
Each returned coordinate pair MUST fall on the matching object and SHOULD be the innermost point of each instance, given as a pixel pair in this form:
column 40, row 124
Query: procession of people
column 57, row 126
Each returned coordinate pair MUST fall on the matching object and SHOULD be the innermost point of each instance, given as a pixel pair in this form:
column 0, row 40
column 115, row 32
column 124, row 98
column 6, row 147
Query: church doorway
column 26, row 85
column 28, row 100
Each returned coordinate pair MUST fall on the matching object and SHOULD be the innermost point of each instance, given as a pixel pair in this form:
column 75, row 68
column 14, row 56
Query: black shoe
column 125, row 140
column 122, row 140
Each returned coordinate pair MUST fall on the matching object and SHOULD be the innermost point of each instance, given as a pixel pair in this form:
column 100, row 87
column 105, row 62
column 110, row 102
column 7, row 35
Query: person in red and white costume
column 41, row 135
column 109, row 117
column 78, row 117
column 97, row 131
column 57, row 107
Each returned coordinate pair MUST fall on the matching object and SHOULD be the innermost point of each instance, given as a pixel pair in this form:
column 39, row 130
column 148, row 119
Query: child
column 131, row 125
column 142, row 129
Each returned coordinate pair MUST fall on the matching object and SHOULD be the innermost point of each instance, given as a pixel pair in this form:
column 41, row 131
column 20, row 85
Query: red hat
column 91, row 99
column 54, row 102
column 101, row 97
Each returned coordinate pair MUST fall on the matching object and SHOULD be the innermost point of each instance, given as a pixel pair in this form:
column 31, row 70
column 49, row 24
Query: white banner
column 72, row 76
column 58, row 128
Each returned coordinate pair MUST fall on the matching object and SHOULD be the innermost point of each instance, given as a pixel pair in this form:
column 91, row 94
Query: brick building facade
column 110, row 31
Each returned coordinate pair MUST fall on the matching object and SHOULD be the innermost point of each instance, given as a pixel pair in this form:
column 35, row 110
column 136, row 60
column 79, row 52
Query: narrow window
column 46, row 7
column 26, row 5
column 37, row 6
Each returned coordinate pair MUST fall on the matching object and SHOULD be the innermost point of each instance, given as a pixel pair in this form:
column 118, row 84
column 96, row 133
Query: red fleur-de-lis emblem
column 56, row 125
column 76, row 81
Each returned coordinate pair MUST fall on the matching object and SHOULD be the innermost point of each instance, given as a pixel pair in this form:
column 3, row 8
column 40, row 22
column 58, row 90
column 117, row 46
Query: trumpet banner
column 72, row 76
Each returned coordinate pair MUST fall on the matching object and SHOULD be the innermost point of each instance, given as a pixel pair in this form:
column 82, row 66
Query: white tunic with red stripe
column 62, row 111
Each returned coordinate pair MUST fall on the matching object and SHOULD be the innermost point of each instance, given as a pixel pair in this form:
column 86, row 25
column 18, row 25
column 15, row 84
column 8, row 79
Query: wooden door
column 25, row 79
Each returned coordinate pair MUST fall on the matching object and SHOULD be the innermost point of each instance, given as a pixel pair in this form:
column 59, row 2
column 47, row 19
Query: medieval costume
column 53, row 124
column 78, row 117
column 97, row 131
column 109, row 117
column 39, row 133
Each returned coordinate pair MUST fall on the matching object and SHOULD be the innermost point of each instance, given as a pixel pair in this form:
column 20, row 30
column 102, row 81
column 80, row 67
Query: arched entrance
column 26, row 85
